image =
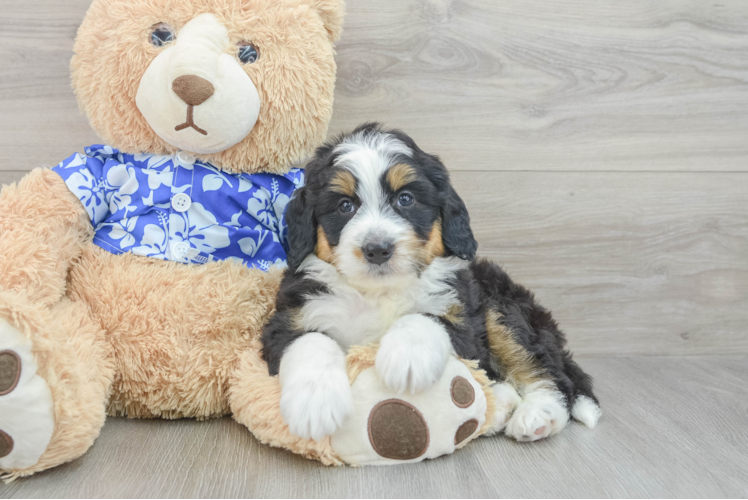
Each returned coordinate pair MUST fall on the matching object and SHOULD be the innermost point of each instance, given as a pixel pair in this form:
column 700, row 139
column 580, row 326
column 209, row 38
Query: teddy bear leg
column 55, row 376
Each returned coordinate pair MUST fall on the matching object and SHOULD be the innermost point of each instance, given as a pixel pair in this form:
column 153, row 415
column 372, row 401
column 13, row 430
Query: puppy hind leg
column 541, row 414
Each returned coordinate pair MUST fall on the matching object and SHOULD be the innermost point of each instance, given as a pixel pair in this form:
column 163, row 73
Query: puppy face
column 378, row 208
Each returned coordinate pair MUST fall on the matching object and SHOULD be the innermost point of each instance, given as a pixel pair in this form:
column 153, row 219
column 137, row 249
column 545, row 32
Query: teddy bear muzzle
column 195, row 94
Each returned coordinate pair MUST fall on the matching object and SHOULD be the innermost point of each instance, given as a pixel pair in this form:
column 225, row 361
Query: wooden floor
column 602, row 149
column 673, row 427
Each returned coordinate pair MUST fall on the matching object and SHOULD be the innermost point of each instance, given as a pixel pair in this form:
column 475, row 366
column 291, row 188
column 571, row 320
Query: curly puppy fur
column 382, row 251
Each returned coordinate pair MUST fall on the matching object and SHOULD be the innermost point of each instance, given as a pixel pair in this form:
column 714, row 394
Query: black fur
column 280, row 331
column 302, row 228
column 533, row 328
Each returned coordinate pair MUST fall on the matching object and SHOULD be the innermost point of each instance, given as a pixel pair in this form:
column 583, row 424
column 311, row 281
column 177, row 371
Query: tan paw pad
column 466, row 430
column 10, row 371
column 462, row 392
column 6, row 444
column 397, row 430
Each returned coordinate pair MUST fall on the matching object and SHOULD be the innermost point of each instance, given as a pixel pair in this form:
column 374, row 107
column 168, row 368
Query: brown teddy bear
column 135, row 278
column 205, row 105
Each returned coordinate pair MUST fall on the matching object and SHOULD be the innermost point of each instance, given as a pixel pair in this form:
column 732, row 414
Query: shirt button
column 181, row 202
column 185, row 157
column 179, row 250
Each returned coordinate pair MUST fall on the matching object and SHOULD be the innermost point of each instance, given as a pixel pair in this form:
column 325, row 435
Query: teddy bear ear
column 331, row 12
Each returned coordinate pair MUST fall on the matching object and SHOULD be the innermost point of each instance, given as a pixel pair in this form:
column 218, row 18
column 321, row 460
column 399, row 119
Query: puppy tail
column 586, row 410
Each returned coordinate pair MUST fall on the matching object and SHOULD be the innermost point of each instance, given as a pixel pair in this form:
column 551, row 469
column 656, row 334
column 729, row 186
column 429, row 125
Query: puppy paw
column 316, row 407
column 541, row 414
column 316, row 393
column 413, row 354
column 507, row 400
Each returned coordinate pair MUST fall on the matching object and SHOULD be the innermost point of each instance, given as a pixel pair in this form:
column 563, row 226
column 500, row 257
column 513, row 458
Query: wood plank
column 673, row 427
column 492, row 84
column 629, row 263
column 538, row 85
column 40, row 123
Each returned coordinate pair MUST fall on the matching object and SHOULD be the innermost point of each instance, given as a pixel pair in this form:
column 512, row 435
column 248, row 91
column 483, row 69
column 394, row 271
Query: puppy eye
column 346, row 206
column 162, row 34
column 405, row 200
column 247, row 53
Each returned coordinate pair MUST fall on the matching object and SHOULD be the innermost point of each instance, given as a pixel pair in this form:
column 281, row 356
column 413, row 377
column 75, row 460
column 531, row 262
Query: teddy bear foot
column 387, row 427
column 26, row 413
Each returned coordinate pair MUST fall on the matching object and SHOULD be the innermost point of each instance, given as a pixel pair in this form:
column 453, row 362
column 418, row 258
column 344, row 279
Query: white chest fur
column 353, row 316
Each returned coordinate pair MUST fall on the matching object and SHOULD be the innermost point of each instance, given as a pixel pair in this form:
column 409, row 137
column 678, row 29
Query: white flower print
column 203, row 232
column 128, row 198
column 153, row 243
column 152, row 161
column 122, row 230
column 214, row 182
column 78, row 161
column 268, row 207
column 244, row 184
column 157, row 178
column 91, row 193
column 122, row 182
column 265, row 264
column 250, row 246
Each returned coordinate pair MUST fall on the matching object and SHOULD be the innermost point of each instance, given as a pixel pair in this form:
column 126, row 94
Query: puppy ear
column 302, row 228
column 456, row 233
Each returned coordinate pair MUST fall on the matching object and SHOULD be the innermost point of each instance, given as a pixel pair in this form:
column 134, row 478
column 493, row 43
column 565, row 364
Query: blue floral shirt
column 176, row 208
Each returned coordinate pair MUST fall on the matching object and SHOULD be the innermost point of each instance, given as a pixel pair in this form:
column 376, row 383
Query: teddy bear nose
column 192, row 89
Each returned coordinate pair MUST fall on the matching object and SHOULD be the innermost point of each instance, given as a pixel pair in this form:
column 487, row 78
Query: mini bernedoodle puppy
column 381, row 250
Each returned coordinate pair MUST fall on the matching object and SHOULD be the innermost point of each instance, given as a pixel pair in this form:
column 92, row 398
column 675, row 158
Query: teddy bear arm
column 44, row 229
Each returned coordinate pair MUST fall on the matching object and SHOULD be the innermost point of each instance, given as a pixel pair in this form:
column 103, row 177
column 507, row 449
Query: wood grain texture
column 673, row 427
column 559, row 85
column 492, row 84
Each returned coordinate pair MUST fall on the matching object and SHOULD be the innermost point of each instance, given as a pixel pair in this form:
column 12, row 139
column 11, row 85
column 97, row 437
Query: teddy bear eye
column 247, row 53
column 162, row 34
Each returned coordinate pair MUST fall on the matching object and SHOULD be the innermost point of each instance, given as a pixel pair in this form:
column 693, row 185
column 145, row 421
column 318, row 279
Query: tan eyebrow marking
column 344, row 183
column 400, row 175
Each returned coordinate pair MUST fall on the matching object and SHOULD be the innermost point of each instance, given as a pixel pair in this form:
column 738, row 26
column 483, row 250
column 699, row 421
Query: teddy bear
column 136, row 275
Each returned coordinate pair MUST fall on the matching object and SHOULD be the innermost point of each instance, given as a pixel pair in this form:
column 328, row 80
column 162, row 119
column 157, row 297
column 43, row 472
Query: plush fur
column 382, row 251
column 129, row 335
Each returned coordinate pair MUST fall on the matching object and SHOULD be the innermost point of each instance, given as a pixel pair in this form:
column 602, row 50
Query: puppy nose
column 192, row 89
column 378, row 253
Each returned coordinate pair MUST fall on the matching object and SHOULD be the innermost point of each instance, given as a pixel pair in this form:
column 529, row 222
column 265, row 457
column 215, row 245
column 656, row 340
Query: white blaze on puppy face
column 202, row 49
column 368, row 157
